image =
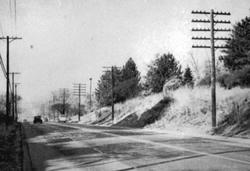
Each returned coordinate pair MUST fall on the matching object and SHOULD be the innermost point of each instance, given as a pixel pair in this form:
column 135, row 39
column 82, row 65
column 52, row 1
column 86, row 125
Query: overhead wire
column 10, row 8
column 3, row 67
column 15, row 16
column 1, row 28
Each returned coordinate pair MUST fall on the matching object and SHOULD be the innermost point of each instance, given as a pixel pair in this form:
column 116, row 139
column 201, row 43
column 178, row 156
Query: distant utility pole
column 212, row 39
column 13, row 93
column 53, row 102
column 112, row 89
column 16, row 100
column 8, row 39
column 79, row 90
column 63, row 91
column 64, row 100
column 90, row 87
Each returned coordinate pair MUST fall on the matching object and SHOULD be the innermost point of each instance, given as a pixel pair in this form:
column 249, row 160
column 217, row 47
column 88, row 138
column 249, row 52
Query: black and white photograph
column 125, row 85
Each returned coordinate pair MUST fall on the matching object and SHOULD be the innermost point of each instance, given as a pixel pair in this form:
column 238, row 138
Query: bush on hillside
column 171, row 85
column 236, row 78
column 205, row 81
column 160, row 70
column 188, row 78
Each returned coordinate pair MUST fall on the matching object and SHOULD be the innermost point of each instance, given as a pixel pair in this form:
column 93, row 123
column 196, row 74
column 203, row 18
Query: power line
column 2, row 66
column 1, row 27
column 10, row 8
column 15, row 15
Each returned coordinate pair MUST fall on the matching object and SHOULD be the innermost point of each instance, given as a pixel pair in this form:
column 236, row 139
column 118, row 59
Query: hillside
column 186, row 110
column 191, row 111
column 127, row 113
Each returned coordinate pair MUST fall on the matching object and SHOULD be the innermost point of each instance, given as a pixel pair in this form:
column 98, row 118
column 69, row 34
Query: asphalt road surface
column 80, row 147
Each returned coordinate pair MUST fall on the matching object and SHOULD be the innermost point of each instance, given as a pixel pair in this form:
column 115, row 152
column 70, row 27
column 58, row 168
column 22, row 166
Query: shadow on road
column 65, row 147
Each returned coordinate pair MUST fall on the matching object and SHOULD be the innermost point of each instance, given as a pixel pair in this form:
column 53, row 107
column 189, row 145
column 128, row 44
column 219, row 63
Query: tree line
column 235, row 70
column 128, row 83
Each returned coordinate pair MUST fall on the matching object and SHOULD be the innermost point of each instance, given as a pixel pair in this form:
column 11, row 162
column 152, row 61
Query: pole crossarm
column 208, row 38
column 14, row 72
column 208, row 21
column 207, row 12
column 200, row 29
column 206, row 29
column 11, row 38
column 205, row 46
column 223, row 29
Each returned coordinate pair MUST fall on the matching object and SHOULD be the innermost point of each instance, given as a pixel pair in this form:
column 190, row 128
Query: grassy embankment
column 189, row 110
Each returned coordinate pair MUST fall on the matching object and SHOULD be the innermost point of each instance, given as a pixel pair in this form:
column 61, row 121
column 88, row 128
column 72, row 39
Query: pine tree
column 126, row 84
column 238, row 54
column 188, row 77
column 103, row 90
column 129, row 87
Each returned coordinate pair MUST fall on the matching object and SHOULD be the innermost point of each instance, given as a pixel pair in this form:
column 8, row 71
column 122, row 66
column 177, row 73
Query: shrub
column 236, row 78
column 161, row 69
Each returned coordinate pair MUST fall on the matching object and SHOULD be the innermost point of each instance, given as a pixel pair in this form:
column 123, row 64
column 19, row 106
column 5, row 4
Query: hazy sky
column 68, row 41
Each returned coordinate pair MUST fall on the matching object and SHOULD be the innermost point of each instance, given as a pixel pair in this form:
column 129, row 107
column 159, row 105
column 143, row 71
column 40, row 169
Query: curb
column 27, row 162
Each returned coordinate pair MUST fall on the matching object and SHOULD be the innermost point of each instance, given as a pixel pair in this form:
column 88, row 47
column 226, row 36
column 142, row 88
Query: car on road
column 37, row 119
column 62, row 119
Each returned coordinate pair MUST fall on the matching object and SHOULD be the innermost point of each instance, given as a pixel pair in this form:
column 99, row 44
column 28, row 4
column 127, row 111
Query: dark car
column 37, row 119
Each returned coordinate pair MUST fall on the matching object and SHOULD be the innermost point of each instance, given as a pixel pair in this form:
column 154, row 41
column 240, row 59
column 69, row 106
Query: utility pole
column 8, row 39
column 79, row 90
column 112, row 92
column 53, row 102
column 16, row 100
column 63, row 94
column 212, row 39
column 90, row 87
column 13, row 93
column 112, row 68
column 64, row 101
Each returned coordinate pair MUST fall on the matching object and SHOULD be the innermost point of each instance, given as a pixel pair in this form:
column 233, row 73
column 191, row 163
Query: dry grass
column 192, row 107
column 136, row 105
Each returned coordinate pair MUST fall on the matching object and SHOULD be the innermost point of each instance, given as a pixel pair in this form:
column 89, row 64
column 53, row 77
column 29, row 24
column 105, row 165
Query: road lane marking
column 160, row 144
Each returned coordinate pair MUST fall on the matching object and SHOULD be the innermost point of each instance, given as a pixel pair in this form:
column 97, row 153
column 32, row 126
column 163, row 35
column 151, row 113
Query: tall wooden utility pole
column 13, row 93
column 63, row 92
column 112, row 68
column 64, row 101
column 212, row 47
column 8, row 39
column 79, row 90
column 90, row 87
column 112, row 92
column 16, row 100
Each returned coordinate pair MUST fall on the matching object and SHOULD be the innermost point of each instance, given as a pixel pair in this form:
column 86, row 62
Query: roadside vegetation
column 10, row 142
column 190, row 93
column 172, row 96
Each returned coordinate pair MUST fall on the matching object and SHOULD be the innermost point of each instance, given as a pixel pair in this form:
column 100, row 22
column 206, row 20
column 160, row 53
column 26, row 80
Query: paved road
column 78, row 147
